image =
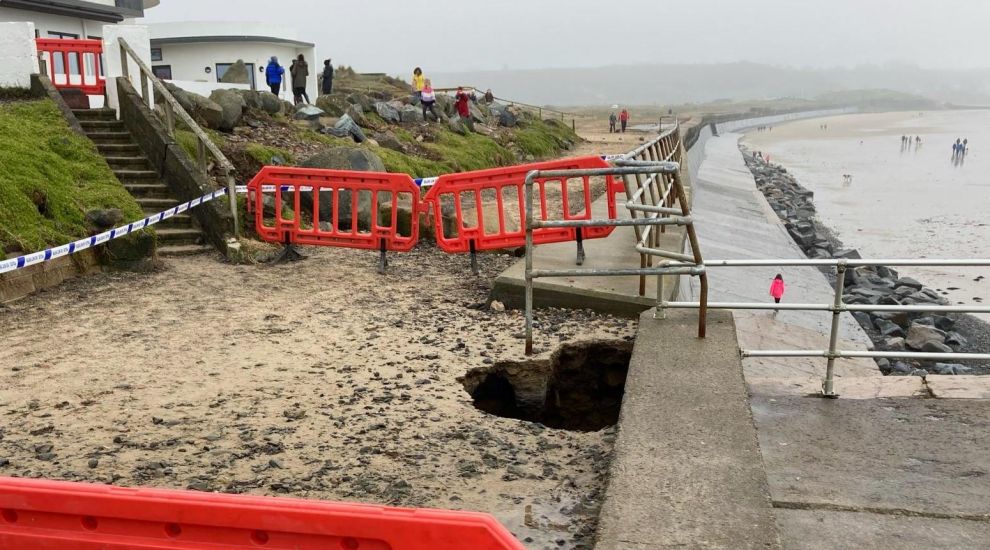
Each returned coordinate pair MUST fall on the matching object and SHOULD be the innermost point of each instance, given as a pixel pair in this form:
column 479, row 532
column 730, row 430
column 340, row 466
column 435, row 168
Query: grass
column 264, row 154
column 189, row 143
column 45, row 163
column 544, row 139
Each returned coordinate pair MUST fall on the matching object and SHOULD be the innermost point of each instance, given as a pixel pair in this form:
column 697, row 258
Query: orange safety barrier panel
column 51, row 515
column 339, row 208
column 76, row 64
column 477, row 229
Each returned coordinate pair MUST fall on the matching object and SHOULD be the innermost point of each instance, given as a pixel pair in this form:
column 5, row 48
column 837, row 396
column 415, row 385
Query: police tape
column 42, row 256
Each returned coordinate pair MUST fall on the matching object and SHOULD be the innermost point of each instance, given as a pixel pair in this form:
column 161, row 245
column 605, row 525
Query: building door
column 162, row 72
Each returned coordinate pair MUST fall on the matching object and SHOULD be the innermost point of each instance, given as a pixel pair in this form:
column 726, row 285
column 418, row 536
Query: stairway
column 178, row 235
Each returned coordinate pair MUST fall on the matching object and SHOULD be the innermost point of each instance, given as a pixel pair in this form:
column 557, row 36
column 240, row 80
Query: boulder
column 232, row 106
column 389, row 141
column 204, row 110
column 955, row 340
column 477, row 114
column 863, row 318
column 457, row 126
column 252, row 99
column 269, row 102
column 366, row 104
column 343, row 158
column 894, row 344
column 901, row 318
column 333, row 104
column 411, row 114
column 909, row 282
column 926, row 338
column 901, row 368
column 951, row 369
column 308, row 112
column 347, row 127
column 445, row 104
column 237, row 74
column 388, row 112
column 888, row 329
column 943, row 322
column 103, row 219
column 356, row 112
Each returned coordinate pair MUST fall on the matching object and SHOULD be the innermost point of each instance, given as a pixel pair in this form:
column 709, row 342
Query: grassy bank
column 49, row 178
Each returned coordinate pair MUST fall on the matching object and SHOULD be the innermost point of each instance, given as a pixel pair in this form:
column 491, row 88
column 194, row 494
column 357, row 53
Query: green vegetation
column 542, row 138
column 187, row 140
column 264, row 154
column 51, row 177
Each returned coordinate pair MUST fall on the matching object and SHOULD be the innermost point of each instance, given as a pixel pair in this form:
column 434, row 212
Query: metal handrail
column 838, row 306
column 173, row 108
column 664, row 184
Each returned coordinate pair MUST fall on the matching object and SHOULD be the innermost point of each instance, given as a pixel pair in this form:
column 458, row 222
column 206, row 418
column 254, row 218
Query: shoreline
column 956, row 333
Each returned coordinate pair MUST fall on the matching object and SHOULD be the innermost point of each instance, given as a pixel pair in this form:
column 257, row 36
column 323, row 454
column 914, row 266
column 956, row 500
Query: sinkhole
column 579, row 388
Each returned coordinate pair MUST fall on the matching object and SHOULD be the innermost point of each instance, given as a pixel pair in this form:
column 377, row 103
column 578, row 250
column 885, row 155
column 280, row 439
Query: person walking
column 777, row 289
column 418, row 81
column 461, row 101
column 429, row 98
column 327, row 84
column 624, row 119
column 300, row 72
column 273, row 75
column 611, row 122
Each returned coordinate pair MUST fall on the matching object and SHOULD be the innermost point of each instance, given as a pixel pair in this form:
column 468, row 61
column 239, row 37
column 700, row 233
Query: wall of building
column 188, row 62
column 46, row 23
column 18, row 56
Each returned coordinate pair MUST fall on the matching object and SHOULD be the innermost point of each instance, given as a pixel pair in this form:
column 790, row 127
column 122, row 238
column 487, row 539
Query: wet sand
column 902, row 202
column 319, row 379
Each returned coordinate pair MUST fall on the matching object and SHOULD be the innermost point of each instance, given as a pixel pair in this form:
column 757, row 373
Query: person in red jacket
column 624, row 119
column 461, row 100
column 777, row 289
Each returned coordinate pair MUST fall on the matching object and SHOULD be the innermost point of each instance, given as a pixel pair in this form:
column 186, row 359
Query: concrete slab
column 687, row 470
column 847, row 387
column 959, row 387
column 816, row 529
column 734, row 220
column 925, row 457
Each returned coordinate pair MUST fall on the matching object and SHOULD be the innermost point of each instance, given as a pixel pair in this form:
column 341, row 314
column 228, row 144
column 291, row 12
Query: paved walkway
column 687, row 471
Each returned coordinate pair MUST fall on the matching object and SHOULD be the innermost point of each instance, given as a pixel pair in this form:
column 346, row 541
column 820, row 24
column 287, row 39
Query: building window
column 55, row 34
column 156, row 54
column 223, row 67
column 162, row 72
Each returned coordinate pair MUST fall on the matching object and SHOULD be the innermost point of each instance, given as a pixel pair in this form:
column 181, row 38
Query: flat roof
column 202, row 39
column 82, row 9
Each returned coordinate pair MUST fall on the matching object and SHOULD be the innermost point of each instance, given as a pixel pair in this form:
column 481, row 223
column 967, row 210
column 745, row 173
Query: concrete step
column 148, row 190
column 184, row 250
column 128, row 162
column 152, row 205
column 118, row 149
column 100, row 138
column 94, row 114
column 96, row 125
column 179, row 221
column 178, row 237
column 129, row 176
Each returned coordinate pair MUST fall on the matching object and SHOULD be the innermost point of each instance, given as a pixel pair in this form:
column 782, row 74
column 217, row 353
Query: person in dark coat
column 327, row 84
column 300, row 72
column 273, row 75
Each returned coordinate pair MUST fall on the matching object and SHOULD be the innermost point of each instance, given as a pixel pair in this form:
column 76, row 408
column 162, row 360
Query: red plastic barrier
column 76, row 64
column 341, row 227
column 43, row 515
column 506, row 187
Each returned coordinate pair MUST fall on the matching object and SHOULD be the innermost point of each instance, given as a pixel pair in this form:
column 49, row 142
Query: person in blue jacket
column 273, row 75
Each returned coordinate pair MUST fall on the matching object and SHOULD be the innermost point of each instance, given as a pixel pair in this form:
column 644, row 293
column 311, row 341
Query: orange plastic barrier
column 353, row 218
column 49, row 515
column 506, row 227
column 76, row 64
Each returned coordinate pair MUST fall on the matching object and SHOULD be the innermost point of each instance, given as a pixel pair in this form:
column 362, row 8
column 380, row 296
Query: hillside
column 50, row 180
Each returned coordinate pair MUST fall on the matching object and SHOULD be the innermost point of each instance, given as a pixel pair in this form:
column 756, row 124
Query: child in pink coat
column 777, row 288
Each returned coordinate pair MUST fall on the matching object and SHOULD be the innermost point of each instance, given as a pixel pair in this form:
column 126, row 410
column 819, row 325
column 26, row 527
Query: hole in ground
column 579, row 388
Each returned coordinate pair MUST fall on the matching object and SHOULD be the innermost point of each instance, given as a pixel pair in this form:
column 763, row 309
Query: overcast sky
column 443, row 36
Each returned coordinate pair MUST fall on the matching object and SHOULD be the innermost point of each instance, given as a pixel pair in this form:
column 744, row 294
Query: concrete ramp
column 687, row 471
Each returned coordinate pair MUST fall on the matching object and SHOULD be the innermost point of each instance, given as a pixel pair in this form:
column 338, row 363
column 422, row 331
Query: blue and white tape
column 21, row 262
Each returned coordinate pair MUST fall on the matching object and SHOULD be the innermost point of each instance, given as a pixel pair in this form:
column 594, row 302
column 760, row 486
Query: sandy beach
column 319, row 379
column 901, row 202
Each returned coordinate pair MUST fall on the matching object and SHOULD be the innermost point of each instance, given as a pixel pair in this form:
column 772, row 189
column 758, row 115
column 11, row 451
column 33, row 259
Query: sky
column 393, row 36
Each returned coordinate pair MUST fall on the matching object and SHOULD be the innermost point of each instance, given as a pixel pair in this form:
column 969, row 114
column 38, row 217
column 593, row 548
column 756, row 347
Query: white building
column 72, row 18
column 195, row 55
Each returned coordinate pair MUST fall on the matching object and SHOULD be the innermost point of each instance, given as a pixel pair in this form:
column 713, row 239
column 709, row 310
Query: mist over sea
column 901, row 202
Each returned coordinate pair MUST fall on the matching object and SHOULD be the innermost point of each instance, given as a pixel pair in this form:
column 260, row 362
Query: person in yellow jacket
column 418, row 82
